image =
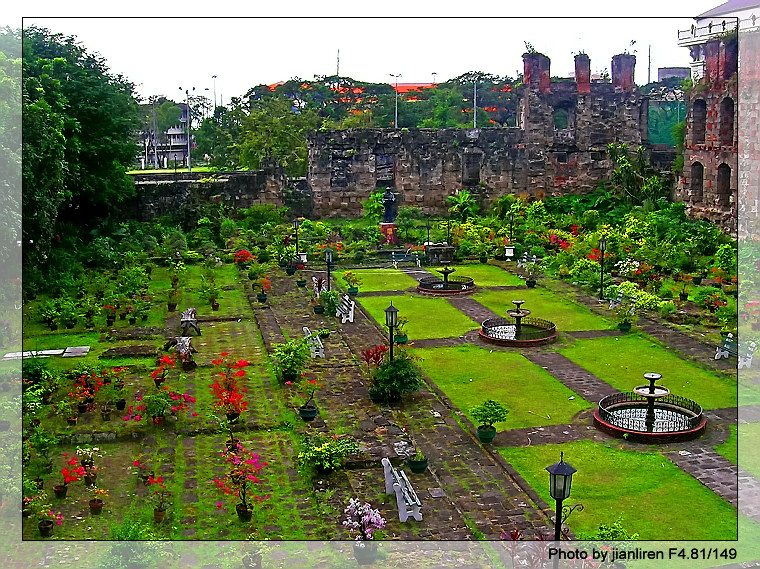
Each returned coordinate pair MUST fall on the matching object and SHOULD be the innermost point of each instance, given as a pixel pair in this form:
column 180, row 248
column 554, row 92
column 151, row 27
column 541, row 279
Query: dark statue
column 388, row 202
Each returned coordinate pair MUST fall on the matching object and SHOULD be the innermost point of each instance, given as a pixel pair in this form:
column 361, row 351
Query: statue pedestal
column 390, row 232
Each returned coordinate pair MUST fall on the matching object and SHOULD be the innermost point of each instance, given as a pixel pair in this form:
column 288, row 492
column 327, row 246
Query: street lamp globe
column 391, row 316
column 560, row 479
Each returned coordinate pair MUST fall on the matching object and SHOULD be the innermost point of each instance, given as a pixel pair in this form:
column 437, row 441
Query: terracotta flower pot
column 71, row 421
column 96, row 506
column 60, row 490
column 159, row 515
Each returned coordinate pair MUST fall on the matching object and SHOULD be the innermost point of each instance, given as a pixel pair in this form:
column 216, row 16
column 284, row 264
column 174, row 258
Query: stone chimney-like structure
column 583, row 74
column 537, row 72
column 623, row 66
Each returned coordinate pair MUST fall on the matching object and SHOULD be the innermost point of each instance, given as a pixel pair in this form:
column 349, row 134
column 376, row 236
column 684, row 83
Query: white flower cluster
column 362, row 520
column 627, row 267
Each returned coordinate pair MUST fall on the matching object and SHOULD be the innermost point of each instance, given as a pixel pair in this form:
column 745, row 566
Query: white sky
column 160, row 55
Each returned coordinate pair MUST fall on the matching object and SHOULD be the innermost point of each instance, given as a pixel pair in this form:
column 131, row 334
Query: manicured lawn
column 729, row 448
column 428, row 317
column 380, row 279
column 484, row 275
column 467, row 375
column 623, row 361
column 656, row 499
column 567, row 315
column 749, row 442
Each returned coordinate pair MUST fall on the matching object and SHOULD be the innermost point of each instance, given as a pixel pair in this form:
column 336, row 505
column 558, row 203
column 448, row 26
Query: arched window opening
column 724, row 185
column 698, row 120
column 697, row 181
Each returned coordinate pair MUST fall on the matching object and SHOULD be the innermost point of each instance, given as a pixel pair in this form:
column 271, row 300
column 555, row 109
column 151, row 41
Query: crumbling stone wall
column 709, row 181
column 535, row 159
column 748, row 141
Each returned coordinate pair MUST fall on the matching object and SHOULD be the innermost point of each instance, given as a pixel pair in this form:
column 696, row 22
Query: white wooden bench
column 525, row 259
column 397, row 483
column 621, row 298
column 188, row 320
column 346, row 309
column 397, row 257
column 730, row 347
column 315, row 344
column 184, row 349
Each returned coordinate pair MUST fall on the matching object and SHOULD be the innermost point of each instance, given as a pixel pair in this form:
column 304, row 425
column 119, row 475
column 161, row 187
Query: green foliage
column 462, row 205
column 227, row 228
column 256, row 216
column 373, row 207
column 291, row 356
column 330, row 300
column 489, row 412
column 612, row 532
column 636, row 180
column 396, row 377
column 326, row 453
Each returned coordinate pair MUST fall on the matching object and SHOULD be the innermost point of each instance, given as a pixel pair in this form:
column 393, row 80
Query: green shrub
column 326, row 453
column 227, row 228
column 489, row 412
column 644, row 300
column 396, row 377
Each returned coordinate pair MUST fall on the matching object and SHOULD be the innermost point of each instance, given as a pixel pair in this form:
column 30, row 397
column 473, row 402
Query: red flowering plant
column 245, row 466
column 229, row 395
column 596, row 255
column 165, row 363
column 161, row 494
column 374, row 356
column 109, row 310
column 264, row 283
column 751, row 308
column 715, row 301
column 72, row 471
column 305, row 388
column 243, row 256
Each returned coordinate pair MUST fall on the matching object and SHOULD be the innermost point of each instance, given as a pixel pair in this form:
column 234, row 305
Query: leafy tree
column 10, row 148
column 406, row 217
column 636, row 180
column 79, row 124
column 463, row 205
column 273, row 130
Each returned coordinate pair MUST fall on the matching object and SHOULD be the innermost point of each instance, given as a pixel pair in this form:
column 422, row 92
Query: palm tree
column 463, row 205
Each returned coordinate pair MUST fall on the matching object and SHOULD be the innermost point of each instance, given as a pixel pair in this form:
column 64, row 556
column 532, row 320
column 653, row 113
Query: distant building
column 166, row 147
column 709, row 181
column 667, row 72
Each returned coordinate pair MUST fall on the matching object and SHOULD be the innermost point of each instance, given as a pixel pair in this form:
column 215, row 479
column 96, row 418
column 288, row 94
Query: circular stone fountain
column 447, row 285
column 518, row 330
column 650, row 413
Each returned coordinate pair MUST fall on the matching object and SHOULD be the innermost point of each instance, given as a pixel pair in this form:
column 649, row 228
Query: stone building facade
column 558, row 147
column 708, row 185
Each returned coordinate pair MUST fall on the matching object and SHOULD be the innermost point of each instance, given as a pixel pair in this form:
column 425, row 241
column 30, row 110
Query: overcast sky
column 160, row 55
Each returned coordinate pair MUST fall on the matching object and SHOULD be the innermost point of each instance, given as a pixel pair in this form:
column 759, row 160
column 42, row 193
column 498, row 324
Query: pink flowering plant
column 362, row 520
column 245, row 466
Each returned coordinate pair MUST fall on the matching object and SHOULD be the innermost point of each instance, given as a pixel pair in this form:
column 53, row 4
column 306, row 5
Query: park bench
column 621, row 298
column 315, row 344
column 397, row 483
column 188, row 320
column 346, row 309
column 319, row 285
column 184, row 349
column 398, row 257
column 730, row 347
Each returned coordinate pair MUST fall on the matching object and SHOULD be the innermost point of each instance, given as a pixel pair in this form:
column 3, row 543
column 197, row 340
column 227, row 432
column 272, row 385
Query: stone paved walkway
column 582, row 382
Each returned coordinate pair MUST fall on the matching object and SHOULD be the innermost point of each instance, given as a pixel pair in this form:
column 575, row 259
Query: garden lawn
column 729, row 448
column 749, row 441
column 622, row 362
column 428, row 317
column 379, row 280
column 467, row 375
column 567, row 315
column 656, row 499
column 484, row 275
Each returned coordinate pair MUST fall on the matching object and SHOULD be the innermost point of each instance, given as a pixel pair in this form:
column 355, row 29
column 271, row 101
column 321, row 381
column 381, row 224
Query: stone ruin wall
column 533, row 160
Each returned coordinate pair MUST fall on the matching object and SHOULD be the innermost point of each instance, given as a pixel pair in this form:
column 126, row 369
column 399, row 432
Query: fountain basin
column 675, row 418
column 454, row 285
column 503, row 332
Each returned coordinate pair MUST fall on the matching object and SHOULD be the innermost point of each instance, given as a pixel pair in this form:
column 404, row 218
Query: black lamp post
column 511, row 218
column 391, row 319
column 560, row 479
column 328, row 260
column 427, row 226
column 295, row 228
column 602, row 247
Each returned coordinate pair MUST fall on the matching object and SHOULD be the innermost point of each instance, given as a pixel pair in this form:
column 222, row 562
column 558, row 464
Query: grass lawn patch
column 452, row 369
column 379, row 280
column 749, row 440
column 622, row 362
column 484, row 275
column 729, row 448
column 567, row 315
column 648, row 490
column 428, row 317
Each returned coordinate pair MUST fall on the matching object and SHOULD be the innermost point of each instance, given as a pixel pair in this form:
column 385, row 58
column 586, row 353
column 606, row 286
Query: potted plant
column 486, row 415
column 244, row 469
column 96, row 500
column 353, row 282
column 305, row 389
column 140, row 468
column 69, row 313
column 46, row 517
column 87, row 456
column 362, row 521
column 323, row 333
column 159, row 497
column 109, row 311
column 418, row 463
column 177, row 273
column 50, row 313
column 300, row 280
column 243, row 258
column 317, row 304
column 157, row 404
column 625, row 315
column 65, row 409
column 209, row 292
column 229, row 395
column 174, row 298
column 71, row 472
column 482, row 249
column 330, row 300
column 531, row 271
column 291, row 358
column 264, row 284
column 394, row 378
column 399, row 334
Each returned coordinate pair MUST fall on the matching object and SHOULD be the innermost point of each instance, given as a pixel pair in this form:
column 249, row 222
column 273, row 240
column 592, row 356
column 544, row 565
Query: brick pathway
column 582, row 382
